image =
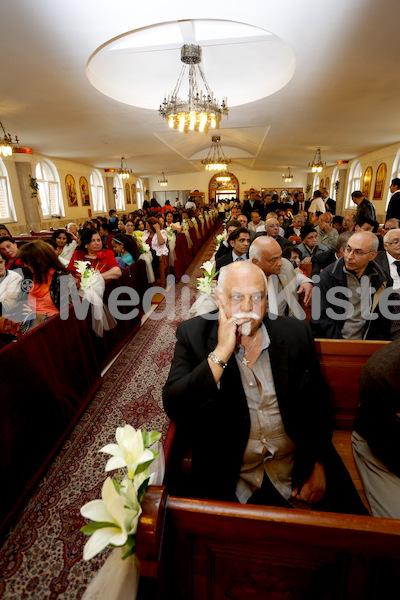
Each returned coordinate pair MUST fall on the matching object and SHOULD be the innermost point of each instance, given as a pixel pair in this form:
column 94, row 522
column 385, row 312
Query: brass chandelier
column 317, row 163
column 201, row 110
column 216, row 159
column 6, row 143
column 163, row 182
column 287, row 176
column 123, row 171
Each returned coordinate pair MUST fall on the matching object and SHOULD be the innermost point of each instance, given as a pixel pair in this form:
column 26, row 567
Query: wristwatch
column 217, row 360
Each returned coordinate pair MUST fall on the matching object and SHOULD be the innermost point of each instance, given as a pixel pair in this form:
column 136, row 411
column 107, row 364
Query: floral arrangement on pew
column 115, row 517
column 205, row 301
column 143, row 247
column 220, row 238
column 185, row 225
column 92, row 286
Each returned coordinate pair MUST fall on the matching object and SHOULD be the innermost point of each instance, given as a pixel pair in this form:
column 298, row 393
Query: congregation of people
column 288, row 270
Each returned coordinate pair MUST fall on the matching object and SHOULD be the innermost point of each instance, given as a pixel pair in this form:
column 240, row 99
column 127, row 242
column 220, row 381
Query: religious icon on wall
column 128, row 193
column 71, row 191
column 380, row 181
column 367, row 182
column 83, row 186
column 133, row 188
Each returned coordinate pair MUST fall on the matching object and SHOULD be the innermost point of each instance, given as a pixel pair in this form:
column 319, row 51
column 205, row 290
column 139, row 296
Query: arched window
column 119, row 195
column 354, row 183
column 395, row 173
column 335, row 178
column 49, row 189
column 139, row 193
column 7, row 211
column 97, row 189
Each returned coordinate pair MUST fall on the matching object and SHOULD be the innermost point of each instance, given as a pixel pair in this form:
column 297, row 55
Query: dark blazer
column 224, row 260
column 215, row 419
column 334, row 276
column 222, row 250
column 330, row 205
column 393, row 209
column 247, row 209
column 382, row 260
column 296, row 206
column 322, row 260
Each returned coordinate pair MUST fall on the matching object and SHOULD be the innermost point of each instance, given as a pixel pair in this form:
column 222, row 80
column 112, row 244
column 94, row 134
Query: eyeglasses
column 356, row 252
column 394, row 243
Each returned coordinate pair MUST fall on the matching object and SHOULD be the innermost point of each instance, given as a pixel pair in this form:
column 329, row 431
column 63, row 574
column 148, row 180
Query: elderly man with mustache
column 248, row 395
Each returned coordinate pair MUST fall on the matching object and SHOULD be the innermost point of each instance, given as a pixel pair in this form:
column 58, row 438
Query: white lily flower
column 123, row 511
column 208, row 266
column 129, row 451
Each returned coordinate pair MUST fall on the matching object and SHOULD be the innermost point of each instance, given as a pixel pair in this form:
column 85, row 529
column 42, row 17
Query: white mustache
column 246, row 315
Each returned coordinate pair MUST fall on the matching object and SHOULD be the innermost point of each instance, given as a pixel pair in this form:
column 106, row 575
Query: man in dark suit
column 248, row 393
column 251, row 204
column 330, row 204
column 393, row 209
column 239, row 241
column 300, row 203
column 224, row 247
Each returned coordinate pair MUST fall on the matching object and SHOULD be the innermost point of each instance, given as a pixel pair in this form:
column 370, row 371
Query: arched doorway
column 223, row 186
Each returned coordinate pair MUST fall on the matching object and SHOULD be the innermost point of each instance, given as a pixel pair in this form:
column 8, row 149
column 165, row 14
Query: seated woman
column 10, row 286
column 106, row 236
column 139, row 224
column 121, row 226
column 129, row 228
column 4, row 231
column 126, row 248
column 46, row 297
column 91, row 250
column 65, row 245
column 156, row 238
column 172, row 221
column 9, row 251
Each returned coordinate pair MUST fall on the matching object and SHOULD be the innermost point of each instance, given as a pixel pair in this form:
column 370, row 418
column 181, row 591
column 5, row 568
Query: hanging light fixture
column 224, row 177
column 287, row 176
column 216, row 159
column 317, row 164
column 201, row 110
column 6, row 143
column 163, row 182
column 123, row 170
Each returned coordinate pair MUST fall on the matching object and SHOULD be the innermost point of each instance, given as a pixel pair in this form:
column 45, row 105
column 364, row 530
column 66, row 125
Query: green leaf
column 132, row 547
column 92, row 527
column 142, row 490
column 142, row 467
column 150, row 438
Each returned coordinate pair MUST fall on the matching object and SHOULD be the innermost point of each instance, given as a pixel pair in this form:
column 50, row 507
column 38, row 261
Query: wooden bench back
column 196, row 549
column 341, row 364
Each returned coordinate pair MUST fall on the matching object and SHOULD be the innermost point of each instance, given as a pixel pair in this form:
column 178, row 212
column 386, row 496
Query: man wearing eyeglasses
column 389, row 261
column 347, row 306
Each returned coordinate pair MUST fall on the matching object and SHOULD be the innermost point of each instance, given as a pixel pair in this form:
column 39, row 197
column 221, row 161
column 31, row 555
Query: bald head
column 266, row 253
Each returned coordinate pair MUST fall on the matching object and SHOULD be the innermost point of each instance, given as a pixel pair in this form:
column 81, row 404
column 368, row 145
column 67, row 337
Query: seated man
column 248, row 393
column 239, row 242
column 376, row 435
column 256, row 224
column 322, row 260
column 310, row 246
column 292, row 232
column 389, row 261
column 349, row 222
column 224, row 246
column 326, row 233
column 351, row 310
column 272, row 229
column 283, row 293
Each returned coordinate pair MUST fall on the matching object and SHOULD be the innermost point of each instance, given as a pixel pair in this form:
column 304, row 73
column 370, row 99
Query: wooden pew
column 195, row 549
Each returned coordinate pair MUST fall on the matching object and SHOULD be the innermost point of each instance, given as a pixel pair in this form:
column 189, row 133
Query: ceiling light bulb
column 203, row 122
column 182, row 122
column 171, row 121
column 213, row 122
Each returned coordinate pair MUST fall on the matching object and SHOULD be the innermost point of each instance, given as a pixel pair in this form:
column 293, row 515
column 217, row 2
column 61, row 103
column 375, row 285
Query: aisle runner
column 42, row 557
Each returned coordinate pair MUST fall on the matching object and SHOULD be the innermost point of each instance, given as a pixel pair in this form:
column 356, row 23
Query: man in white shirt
column 190, row 204
column 317, row 204
column 256, row 224
column 266, row 253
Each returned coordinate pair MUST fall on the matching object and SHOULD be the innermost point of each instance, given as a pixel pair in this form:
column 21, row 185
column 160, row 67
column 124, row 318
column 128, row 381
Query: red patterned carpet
column 42, row 555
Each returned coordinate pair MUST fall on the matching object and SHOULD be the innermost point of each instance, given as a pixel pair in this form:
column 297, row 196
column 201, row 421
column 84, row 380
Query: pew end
column 197, row 549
